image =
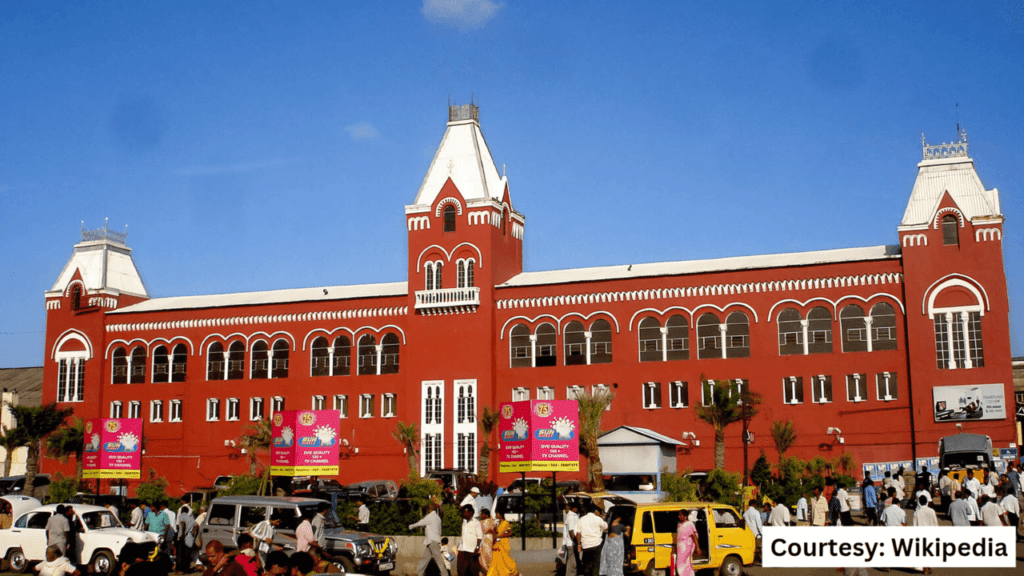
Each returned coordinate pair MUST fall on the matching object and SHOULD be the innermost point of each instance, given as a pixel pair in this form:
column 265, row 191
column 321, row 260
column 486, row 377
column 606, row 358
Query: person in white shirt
column 802, row 513
column 893, row 515
column 138, row 517
column 431, row 524
column 470, row 500
column 569, row 524
column 1011, row 505
column 975, row 513
column 845, row 517
column 263, row 535
column 779, row 516
column 924, row 516
column 363, row 516
column 469, row 545
column 752, row 517
column 590, row 532
column 992, row 514
column 972, row 484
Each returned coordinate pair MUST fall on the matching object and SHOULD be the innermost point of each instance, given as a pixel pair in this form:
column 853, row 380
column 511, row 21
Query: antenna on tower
column 957, row 118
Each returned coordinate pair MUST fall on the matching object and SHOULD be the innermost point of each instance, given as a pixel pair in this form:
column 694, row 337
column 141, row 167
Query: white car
column 99, row 537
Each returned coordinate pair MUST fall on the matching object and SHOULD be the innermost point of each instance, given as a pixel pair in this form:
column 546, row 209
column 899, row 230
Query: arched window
column 71, row 358
column 650, row 340
column 710, row 345
column 342, row 356
column 179, row 363
column 319, row 358
column 236, row 360
column 460, row 277
column 437, row 276
column 791, row 333
column 469, row 274
column 950, row 231
column 855, row 334
column 504, row 221
column 678, row 338
column 161, row 364
column 367, row 355
column 389, row 354
column 883, row 327
column 737, row 335
column 119, row 366
column 280, row 364
column 76, row 297
column 819, row 331
column 547, row 346
column 520, row 347
column 600, row 342
column 430, row 276
column 449, row 218
column 260, row 361
column 215, row 363
column 575, row 343
column 138, row 366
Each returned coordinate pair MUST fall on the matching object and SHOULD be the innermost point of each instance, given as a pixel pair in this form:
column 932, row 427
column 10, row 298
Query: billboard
column 539, row 435
column 113, row 448
column 970, row 402
column 304, row 443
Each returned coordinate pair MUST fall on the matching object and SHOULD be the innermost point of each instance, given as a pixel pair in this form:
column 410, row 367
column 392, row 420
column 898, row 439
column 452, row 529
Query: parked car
column 230, row 516
column 20, row 504
column 372, row 491
column 517, row 485
column 454, row 478
column 222, row 482
column 16, row 485
column 99, row 538
column 197, row 495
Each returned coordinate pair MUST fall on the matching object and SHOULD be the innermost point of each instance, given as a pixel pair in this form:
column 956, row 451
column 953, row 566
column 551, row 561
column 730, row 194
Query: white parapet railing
column 447, row 298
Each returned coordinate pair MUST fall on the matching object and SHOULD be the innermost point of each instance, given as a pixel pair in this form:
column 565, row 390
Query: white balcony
column 456, row 299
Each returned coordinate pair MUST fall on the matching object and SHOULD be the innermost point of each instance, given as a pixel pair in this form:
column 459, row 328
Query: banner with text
column 539, row 435
column 969, row 402
column 112, row 448
column 305, row 443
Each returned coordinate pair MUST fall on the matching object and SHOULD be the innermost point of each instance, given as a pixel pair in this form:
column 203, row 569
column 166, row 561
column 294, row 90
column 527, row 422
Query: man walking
column 802, row 515
column 893, row 515
column 58, row 530
column 137, row 517
column 779, row 516
column 431, row 524
column 470, row 500
column 591, row 529
column 469, row 545
column 844, row 505
column 870, row 501
column 819, row 509
column 569, row 524
column 363, row 516
column 959, row 511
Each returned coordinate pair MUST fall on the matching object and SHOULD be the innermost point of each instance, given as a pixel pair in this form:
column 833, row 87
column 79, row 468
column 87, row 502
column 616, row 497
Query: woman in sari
column 614, row 548
column 501, row 563
column 686, row 543
column 487, row 544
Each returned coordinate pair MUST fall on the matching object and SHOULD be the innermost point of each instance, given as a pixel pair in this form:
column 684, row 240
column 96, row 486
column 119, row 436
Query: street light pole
column 746, row 461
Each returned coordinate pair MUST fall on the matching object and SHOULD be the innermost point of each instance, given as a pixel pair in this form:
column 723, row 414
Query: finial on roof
column 957, row 149
column 104, row 233
column 458, row 112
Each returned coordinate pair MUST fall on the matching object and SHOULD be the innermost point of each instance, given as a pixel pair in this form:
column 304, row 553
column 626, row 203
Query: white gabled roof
column 270, row 297
column 464, row 156
column 632, row 435
column 104, row 265
column 625, row 271
column 956, row 176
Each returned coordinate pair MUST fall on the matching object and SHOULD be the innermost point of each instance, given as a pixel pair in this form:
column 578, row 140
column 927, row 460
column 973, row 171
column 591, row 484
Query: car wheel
column 650, row 569
column 16, row 561
column 732, row 566
column 102, row 563
column 348, row 566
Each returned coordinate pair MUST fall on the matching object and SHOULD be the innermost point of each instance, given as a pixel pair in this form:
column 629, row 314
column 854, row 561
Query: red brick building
column 890, row 344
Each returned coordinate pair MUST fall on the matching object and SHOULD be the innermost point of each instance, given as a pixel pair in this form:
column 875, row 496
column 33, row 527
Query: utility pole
column 746, row 444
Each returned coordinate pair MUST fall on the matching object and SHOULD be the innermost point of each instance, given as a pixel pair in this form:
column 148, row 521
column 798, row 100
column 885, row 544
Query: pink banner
column 305, row 443
column 539, row 435
column 113, row 448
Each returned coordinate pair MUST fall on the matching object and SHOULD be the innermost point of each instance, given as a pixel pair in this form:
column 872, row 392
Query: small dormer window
column 76, row 297
column 950, row 234
column 449, row 218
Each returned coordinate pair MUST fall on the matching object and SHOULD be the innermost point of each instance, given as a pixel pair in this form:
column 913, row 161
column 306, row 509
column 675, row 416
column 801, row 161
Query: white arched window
column 854, row 329
column 520, row 347
column 710, row 337
column 958, row 338
column 651, row 344
column 737, row 335
column 72, row 352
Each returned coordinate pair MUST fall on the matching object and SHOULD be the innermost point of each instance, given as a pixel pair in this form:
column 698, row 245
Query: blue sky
column 264, row 145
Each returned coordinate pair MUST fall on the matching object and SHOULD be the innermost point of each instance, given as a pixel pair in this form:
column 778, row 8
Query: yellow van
column 725, row 541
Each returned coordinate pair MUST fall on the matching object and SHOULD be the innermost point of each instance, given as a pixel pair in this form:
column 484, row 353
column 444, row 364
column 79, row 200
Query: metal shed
column 629, row 453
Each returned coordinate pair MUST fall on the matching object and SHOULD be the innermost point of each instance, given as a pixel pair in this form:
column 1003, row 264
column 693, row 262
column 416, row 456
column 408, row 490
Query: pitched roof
column 956, row 176
column 624, row 271
column 639, row 436
column 28, row 382
column 103, row 265
column 463, row 156
column 319, row 294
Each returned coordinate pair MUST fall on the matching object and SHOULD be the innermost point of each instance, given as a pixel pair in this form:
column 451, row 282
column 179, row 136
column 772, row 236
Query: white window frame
column 545, row 393
column 388, row 405
column 366, row 405
column 254, row 413
column 318, row 402
column 276, row 404
column 341, row 404
column 213, row 409
column 520, row 394
column 890, row 380
column 116, row 409
column 678, row 386
column 156, row 410
column 233, row 410
column 790, row 384
column 432, row 433
column 858, row 382
column 134, row 409
column 651, row 395
column 571, row 392
column 818, row 390
column 71, row 379
column 174, row 414
column 467, row 458
column 602, row 388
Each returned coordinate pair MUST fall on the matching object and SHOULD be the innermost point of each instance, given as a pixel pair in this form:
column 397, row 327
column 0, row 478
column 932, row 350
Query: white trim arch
column 870, row 298
column 67, row 289
column 325, row 332
column 419, row 223
column 127, row 344
column 587, row 317
column 191, row 346
column 947, row 210
column 68, row 335
column 445, row 201
column 528, row 322
column 271, row 339
column 224, row 340
column 660, row 313
column 379, row 330
column 726, row 307
column 801, row 304
column 987, row 234
column 933, row 292
column 448, row 254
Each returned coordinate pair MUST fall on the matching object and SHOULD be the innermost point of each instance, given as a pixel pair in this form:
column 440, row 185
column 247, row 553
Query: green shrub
column 243, row 485
column 724, row 487
column 154, row 490
column 63, row 489
column 678, row 488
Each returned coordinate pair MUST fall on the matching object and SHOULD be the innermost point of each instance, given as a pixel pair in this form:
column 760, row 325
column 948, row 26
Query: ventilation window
column 449, row 218
column 950, row 234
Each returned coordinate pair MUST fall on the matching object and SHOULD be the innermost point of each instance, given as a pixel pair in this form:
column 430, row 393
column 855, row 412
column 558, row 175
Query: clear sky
column 263, row 145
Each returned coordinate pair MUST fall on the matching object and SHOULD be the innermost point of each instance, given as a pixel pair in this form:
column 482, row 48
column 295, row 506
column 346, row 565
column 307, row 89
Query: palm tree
column 37, row 422
column 487, row 422
column 257, row 438
column 785, row 437
column 726, row 407
column 592, row 407
column 409, row 437
column 67, row 441
column 10, row 440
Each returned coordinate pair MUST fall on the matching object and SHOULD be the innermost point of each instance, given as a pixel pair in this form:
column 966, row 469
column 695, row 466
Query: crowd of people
column 483, row 548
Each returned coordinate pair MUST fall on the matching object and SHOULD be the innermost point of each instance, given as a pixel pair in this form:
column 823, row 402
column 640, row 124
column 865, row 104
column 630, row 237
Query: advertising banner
column 305, row 443
column 113, row 448
column 970, row 402
column 539, row 435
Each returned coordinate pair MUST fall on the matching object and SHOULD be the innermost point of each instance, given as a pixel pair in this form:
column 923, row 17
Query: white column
column 78, row 370
column 664, row 343
column 227, row 362
column 868, row 320
column 722, row 328
column 587, row 336
column 330, row 360
column 380, row 350
column 128, row 375
column 803, row 326
column 533, row 350
column 270, row 362
column 951, row 364
column 965, row 317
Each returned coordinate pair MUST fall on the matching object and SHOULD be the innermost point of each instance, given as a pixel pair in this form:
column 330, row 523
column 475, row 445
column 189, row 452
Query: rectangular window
column 175, row 411
column 679, row 395
column 156, row 411
column 856, row 387
column 821, row 389
column 707, row 397
column 255, row 408
column 520, row 394
column 62, row 380
column 115, row 409
column 432, row 451
column 276, row 404
column 545, row 393
column 652, row 395
column 974, row 339
column 233, row 409
column 793, row 390
column 941, row 341
column 212, row 409
column 366, row 406
column 959, row 350
column 318, row 403
column 135, row 409
column 885, row 384
column 465, row 403
column 466, row 451
column 388, row 405
column 341, row 404
column 572, row 391
column 70, row 379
